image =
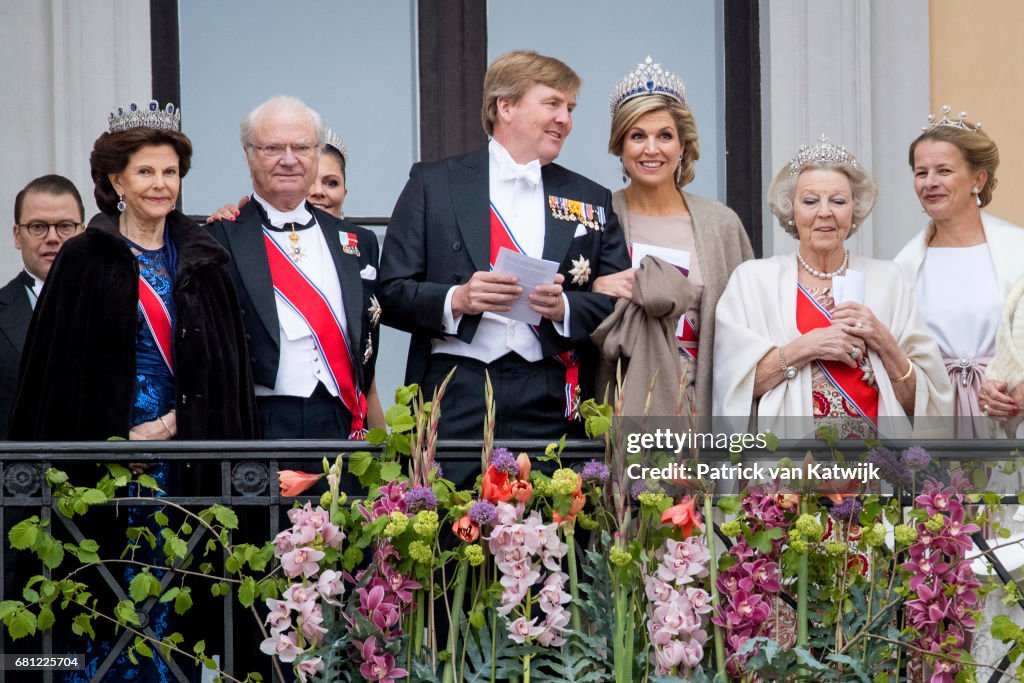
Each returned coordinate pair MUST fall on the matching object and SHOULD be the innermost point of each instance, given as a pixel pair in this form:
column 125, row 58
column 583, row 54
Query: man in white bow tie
column 305, row 281
column 436, row 278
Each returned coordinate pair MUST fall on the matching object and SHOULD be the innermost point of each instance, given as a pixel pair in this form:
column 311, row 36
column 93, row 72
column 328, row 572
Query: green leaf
column 226, row 516
column 160, row 518
column 139, row 587
column 170, row 594
column 142, row 648
column 20, row 624
column 175, row 547
column 247, row 592
column 183, row 602
column 199, row 648
column 358, row 462
column 376, row 436
column 125, row 613
column 23, row 534
column 82, row 625
column 53, row 556
column 389, row 471
column 30, row 595
column 9, row 607
column 45, row 619
column 55, row 478
column 1005, row 630
column 149, row 482
column 762, row 541
column 398, row 413
column 403, row 395
column 93, row 497
column 730, row 505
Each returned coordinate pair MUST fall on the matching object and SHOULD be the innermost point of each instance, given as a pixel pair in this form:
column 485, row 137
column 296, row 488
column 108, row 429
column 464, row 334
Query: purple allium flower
column 893, row 469
column 595, row 472
column 916, row 458
column 639, row 486
column 503, row 461
column 847, row 510
column 421, row 498
column 483, row 513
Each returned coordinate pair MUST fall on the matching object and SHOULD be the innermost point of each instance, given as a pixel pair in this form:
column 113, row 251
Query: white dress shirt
column 33, row 292
column 302, row 365
column 517, row 193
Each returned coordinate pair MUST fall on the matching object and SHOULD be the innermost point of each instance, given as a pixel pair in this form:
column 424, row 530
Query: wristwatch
column 788, row 370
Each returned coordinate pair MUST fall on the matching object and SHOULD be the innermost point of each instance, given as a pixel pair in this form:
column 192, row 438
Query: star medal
column 580, row 271
column 374, row 310
column 295, row 250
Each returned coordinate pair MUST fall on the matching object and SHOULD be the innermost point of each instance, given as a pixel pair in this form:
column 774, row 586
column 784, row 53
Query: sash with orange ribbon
column 501, row 236
column 810, row 315
column 158, row 320
column 306, row 299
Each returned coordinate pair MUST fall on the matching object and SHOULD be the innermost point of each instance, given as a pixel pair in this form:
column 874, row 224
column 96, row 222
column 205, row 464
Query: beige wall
column 976, row 66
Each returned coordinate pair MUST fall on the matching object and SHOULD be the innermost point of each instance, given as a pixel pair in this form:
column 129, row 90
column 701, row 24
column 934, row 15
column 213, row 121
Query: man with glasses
column 47, row 212
column 305, row 283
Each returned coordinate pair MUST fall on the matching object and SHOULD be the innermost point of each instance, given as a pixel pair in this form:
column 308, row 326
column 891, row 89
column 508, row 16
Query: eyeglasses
column 40, row 229
column 274, row 151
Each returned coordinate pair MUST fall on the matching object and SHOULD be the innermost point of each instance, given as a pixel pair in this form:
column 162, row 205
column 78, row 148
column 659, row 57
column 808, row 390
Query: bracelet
column 788, row 371
column 906, row 376
column 161, row 418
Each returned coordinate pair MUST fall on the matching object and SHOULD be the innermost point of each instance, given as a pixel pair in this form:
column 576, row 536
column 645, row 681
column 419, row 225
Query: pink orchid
column 329, row 585
column 521, row 629
column 378, row 666
column 373, row 606
column 301, row 562
column 279, row 619
column 284, row 647
column 309, row 667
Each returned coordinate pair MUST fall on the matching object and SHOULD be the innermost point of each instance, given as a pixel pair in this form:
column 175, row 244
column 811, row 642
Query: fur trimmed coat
column 77, row 377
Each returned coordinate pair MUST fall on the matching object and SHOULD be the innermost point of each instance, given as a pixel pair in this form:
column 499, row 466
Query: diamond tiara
column 152, row 116
column 823, row 151
column 648, row 79
column 335, row 141
column 961, row 122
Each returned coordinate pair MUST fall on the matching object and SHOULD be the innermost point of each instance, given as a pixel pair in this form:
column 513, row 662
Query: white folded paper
column 849, row 287
column 677, row 257
column 529, row 272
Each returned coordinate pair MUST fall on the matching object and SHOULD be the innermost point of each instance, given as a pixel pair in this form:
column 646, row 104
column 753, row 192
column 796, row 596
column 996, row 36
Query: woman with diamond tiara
column 954, row 164
column 785, row 349
column 138, row 333
column 654, row 133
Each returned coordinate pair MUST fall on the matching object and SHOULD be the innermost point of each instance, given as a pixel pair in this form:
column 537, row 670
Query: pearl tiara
column 152, row 116
column 823, row 151
column 960, row 122
column 647, row 79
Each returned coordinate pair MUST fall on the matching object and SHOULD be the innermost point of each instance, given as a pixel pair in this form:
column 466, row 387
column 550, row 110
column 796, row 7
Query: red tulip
column 523, row 460
column 496, row 486
column 466, row 529
column 684, row 516
column 294, row 483
column 522, row 491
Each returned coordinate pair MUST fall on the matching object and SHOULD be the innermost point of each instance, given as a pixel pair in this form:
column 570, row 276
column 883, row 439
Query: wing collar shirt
column 517, row 194
column 302, row 365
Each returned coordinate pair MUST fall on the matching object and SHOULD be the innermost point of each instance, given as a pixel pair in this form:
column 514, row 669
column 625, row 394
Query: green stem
column 455, row 623
column 526, row 668
column 623, row 660
column 801, row 596
column 574, row 591
column 417, row 628
column 709, row 525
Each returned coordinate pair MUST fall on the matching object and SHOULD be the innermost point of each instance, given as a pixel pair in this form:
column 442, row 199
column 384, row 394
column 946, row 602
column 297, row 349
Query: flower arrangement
column 547, row 569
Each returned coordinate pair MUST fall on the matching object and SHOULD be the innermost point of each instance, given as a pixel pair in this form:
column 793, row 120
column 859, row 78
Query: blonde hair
column 513, row 73
column 783, row 189
column 977, row 148
column 626, row 116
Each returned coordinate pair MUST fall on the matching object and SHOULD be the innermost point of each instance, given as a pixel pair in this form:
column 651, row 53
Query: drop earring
column 679, row 170
column 121, row 206
column 977, row 195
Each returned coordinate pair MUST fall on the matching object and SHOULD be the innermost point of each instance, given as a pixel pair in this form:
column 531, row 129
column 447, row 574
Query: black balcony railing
column 242, row 475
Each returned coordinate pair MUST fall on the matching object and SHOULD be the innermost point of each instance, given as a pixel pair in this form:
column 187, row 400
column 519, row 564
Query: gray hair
column 281, row 102
column 782, row 191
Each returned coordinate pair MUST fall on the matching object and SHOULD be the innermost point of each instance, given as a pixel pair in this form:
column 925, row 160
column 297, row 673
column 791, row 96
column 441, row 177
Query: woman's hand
column 859, row 321
column 994, row 401
column 228, row 212
column 835, row 344
column 160, row 429
column 617, row 284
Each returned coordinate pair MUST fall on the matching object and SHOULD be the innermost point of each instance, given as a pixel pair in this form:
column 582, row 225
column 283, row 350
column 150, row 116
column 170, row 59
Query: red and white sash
column 306, row 299
column 158, row 320
column 501, row 236
column 848, row 381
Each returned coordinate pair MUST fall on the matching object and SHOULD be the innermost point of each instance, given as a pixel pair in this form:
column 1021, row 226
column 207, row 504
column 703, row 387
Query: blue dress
column 154, row 396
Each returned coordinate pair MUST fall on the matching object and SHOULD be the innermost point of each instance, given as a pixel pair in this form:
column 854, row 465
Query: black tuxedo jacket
column 439, row 235
column 250, row 270
column 15, row 315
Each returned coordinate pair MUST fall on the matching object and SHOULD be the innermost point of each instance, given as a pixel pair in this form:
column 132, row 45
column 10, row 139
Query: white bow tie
column 530, row 173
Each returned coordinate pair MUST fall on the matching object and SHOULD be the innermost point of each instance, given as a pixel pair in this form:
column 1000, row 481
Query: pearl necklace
column 819, row 274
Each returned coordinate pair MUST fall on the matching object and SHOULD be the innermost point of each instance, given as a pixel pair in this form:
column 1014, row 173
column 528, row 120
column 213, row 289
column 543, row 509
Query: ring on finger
column 984, row 409
column 855, row 353
column 859, row 324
